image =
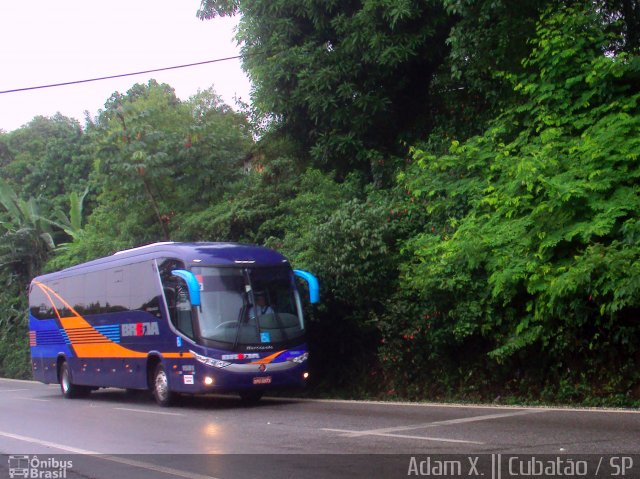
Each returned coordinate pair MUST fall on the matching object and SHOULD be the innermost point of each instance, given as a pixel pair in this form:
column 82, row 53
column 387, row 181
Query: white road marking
column 40, row 442
column 148, row 411
column 119, row 460
column 34, row 399
column 12, row 390
column 447, row 422
column 390, row 431
column 401, row 436
column 153, row 467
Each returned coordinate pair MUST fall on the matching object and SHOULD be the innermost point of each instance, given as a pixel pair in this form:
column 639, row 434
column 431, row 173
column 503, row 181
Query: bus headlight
column 208, row 380
column 216, row 363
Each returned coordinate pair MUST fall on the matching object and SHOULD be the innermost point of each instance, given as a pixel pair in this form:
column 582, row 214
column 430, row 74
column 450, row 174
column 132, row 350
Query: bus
column 172, row 318
column 18, row 466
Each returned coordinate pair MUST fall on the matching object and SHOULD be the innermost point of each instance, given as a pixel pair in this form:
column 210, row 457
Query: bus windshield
column 249, row 306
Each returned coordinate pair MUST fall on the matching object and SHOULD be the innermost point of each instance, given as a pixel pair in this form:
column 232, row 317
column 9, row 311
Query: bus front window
column 249, row 307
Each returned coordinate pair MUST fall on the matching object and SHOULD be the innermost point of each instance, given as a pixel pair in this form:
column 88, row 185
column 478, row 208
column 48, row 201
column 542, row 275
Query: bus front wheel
column 161, row 391
column 70, row 390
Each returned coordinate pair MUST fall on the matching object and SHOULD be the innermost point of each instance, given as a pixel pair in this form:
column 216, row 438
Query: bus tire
column 160, row 387
column 70, row 390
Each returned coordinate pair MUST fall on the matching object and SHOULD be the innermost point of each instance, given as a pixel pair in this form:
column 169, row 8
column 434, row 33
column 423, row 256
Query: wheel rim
column 65, row 380
column 162, row 386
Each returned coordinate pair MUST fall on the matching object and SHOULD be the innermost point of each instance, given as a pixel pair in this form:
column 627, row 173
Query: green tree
column 136, row 140
column 252, row 208
column 45, row 159
column 14, row 343
column 488, row 37
column 347, row 80
column 215, row 148
column 534, row 252
column 160, row 159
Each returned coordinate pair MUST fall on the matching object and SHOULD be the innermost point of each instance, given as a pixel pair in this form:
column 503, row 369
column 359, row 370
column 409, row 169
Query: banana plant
column 71, row 224
column 26, row 239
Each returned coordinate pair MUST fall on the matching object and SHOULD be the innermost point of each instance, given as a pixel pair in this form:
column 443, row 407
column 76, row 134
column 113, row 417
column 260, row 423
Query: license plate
column 262, row 380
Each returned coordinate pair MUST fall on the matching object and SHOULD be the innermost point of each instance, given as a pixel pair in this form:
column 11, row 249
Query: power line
column 121, row 75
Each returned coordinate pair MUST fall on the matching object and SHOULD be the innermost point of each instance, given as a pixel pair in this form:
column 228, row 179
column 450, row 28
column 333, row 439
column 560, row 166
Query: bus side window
column 183, row 309
column 39, row 304
column 95, row 288
column 59, row 288
column 177, row 296
column 143, row 288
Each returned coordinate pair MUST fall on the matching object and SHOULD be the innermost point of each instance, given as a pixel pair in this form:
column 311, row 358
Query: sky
column 55, row 41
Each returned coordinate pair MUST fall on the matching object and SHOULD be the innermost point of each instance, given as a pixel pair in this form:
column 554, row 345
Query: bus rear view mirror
column 192, row 284
column 312, row 281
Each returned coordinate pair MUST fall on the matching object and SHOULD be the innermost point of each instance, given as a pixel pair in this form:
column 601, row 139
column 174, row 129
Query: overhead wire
column 109, row 77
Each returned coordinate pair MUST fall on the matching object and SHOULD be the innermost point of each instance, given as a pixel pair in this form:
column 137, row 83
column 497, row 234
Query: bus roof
column 201, row 254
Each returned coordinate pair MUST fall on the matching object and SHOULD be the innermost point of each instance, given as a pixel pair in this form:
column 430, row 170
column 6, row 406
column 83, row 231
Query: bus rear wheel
column 70, row 390
column 160, row 387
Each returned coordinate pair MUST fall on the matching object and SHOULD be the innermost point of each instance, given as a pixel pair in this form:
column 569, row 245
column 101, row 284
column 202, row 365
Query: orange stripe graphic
column 269, row 358
column 87, row 342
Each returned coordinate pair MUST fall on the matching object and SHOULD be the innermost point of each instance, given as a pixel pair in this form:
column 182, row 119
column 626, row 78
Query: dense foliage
column 461, row 176
column 533, row 253
column 347, row 80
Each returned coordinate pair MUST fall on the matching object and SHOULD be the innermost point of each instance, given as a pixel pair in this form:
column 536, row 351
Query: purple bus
column 173, row 318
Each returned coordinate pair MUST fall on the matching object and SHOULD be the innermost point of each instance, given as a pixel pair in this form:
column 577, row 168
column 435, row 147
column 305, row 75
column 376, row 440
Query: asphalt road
column 112, row 434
